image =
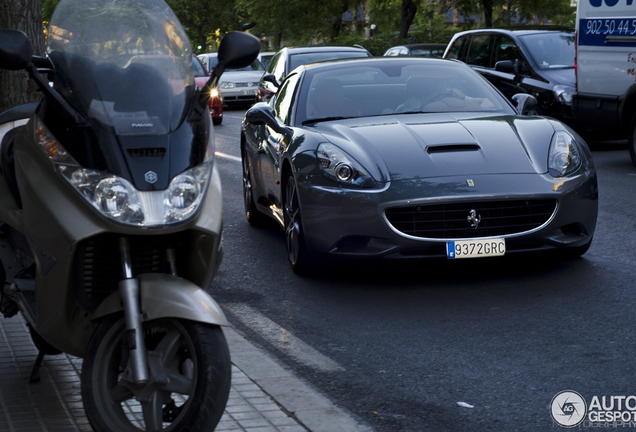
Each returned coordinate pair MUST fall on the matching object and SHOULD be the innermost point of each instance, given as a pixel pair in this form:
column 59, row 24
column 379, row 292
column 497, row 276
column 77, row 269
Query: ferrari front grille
column 471, row 219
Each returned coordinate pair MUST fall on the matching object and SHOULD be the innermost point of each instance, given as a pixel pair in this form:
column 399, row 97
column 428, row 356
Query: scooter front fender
column 168, row 296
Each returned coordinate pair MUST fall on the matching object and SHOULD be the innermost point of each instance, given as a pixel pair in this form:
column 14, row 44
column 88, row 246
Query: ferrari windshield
column 125, row 64
column 391, row 86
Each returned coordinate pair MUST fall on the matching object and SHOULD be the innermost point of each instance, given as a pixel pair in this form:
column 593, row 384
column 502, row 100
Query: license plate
column 475, row 248
column 249, row 92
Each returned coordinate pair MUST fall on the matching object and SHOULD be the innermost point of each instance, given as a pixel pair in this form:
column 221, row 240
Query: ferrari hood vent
column 448, row 148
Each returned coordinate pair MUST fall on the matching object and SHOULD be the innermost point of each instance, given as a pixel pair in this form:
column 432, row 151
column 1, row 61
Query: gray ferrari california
column 413, row 158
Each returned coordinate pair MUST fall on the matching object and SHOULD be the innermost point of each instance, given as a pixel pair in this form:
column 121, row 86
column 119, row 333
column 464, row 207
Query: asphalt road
column 402, row 345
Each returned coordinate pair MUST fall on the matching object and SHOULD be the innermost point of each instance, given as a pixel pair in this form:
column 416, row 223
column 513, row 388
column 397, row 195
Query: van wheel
column 631, row 139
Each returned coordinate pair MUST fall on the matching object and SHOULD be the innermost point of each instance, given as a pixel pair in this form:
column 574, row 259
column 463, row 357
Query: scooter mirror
column 237, row 50
column 15, row 50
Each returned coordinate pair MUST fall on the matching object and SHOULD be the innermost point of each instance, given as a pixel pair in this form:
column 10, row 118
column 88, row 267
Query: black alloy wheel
column 297, row 252
column 252, row 214
column 190, row 372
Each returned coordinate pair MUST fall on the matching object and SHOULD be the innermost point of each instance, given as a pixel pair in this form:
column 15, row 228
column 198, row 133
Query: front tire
column 189, row 385
column 297, row 252
column 252, row 214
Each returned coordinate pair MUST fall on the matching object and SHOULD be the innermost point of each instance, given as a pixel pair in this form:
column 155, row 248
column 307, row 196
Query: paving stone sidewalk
column 54, row 404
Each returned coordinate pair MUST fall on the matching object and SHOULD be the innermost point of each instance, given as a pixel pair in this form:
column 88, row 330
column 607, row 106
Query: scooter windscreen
column 125, row 64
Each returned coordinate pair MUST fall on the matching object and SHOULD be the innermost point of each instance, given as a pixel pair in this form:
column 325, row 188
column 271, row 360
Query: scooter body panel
column 168, row 296
column 57, row 221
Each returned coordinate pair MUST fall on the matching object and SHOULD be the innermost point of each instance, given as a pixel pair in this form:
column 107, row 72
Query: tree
column 24, row 15
column 407, row 15
column 202, row 18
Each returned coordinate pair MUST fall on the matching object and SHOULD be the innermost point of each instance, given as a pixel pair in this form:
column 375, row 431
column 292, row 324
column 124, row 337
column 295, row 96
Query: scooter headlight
column 185, row 193
column 117, row 199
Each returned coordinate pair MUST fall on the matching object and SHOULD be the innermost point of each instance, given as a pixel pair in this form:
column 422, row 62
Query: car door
column 508, row 82
column 275, row 142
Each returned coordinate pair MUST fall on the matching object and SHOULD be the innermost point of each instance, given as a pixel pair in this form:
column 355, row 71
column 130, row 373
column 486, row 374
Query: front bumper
column 351, row 222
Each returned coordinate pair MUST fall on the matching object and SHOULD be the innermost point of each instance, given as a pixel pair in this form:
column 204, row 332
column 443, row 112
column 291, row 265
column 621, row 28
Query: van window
column 479, row 51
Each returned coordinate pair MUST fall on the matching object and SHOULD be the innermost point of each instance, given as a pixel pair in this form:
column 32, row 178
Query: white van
column 606, row 67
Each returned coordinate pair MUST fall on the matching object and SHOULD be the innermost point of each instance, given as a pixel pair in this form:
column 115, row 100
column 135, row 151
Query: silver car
column 237, row 86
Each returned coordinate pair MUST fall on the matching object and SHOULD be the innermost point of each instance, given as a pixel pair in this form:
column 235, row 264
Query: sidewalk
column 265, row 397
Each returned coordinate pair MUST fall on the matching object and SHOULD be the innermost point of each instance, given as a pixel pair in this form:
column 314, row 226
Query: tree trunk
column 488, row 7
column 337, row 25
column 406, row 19
column 25, row 15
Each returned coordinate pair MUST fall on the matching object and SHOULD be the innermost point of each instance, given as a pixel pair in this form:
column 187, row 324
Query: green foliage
column 48, row 6
column 377, row 46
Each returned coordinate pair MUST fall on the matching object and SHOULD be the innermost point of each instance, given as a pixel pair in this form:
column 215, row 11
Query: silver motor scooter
column 111, row 212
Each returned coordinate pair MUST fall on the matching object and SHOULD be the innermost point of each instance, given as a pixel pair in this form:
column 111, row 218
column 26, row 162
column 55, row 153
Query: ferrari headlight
column 117, row 199
column 226, row 85
column 337, row 166
column 563, row 158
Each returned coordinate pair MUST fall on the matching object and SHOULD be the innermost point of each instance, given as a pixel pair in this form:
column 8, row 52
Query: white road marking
column 223, row 155
column 283, row 339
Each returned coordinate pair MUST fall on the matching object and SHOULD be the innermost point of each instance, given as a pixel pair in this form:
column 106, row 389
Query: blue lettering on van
column 610, row 3
column 594, row 32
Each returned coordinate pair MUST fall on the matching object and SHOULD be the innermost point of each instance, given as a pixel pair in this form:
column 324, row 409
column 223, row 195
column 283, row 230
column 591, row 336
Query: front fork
column 129, row 292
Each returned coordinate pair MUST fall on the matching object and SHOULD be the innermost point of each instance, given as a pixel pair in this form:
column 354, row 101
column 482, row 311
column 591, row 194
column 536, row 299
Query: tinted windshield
column 306, row 58
column 395, row 87
column 255, row 66
column 126, row 64
column 551, row 50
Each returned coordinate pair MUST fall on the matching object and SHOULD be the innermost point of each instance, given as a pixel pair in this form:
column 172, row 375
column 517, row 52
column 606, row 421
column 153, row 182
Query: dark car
column 417, row 50
column 201, row 76
column 404, row 157
column 534, row 60
column 287, row 59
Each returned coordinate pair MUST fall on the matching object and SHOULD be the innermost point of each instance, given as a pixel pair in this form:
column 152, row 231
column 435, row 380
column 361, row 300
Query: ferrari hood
column 418, row 146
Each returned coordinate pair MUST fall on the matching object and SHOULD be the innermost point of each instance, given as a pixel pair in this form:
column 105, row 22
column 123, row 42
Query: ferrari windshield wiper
column 324, row 119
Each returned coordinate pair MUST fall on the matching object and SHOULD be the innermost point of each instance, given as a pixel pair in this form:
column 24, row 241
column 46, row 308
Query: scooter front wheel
column 190, row 372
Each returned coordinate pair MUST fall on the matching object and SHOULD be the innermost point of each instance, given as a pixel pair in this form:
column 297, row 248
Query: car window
column 396, row 87
column 455, row 50
column 254, row 66
column 296, row 60
column 285, row 98
column 197, row 67
column 278, row 67
column 404, row 52
column 504, row 49
column 551, row 50
column 479, row 51
column 393, row 52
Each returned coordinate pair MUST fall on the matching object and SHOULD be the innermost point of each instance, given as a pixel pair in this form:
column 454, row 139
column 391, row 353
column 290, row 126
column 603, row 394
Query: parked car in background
column 417, row 50
column 266, row 58
column 535, row 60
column 413, row 158
column 288, row 59
column 201, row 76
column 237, row 86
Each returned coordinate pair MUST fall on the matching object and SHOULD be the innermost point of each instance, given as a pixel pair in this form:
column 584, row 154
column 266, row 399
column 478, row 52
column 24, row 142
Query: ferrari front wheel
column 297, row 252
column 252, row 214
